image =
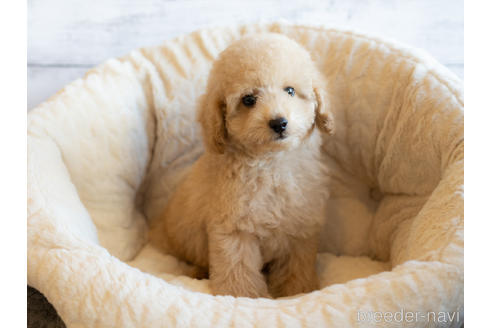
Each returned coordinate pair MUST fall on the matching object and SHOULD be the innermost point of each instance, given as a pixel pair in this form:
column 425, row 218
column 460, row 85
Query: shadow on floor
column 40, row 313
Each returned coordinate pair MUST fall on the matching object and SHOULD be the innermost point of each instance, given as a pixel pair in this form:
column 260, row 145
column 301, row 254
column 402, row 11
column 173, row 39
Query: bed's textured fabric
column 106, row 151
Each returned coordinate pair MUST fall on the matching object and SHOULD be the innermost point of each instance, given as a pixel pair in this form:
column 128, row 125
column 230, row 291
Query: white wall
column 67, row 37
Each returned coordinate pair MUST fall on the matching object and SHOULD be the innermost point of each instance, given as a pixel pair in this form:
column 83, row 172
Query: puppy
column 251, row 207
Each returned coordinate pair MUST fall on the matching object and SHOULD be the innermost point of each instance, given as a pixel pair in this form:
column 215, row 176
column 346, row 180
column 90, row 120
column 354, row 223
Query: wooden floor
column 67, row 37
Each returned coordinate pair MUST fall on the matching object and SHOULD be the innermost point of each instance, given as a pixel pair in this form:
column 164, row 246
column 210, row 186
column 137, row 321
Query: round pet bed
column 105, row 153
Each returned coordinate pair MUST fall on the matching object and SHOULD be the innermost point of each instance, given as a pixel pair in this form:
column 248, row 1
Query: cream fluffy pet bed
column 105, row 153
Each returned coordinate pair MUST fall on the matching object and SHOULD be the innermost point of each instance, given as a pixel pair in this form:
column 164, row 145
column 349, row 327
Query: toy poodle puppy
column 251, row 207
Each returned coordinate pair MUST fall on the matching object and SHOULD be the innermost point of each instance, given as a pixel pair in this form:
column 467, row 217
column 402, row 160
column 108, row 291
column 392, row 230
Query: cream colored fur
column 250, row 209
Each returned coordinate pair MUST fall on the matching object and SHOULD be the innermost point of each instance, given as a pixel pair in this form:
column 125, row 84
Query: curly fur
column 251, row 207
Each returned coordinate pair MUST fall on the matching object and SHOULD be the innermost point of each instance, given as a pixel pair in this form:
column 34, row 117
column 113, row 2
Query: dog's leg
column 296, row 272
column 235, row 265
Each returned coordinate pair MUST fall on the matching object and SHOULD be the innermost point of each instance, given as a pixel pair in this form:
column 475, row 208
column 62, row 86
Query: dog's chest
column 282, row 203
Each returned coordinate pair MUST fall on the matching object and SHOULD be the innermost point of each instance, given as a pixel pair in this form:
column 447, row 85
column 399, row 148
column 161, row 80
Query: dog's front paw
column 198, row 272
column 240, row 288
column 299, row 286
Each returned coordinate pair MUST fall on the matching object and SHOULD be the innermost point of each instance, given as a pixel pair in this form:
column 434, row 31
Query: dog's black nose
column 278, row 125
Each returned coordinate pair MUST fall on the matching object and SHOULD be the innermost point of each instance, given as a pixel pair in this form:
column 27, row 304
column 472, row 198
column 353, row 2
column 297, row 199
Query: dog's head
column 264, row 94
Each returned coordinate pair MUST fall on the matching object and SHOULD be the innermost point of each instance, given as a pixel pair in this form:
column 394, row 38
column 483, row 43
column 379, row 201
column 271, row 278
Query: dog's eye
column 290, row 91
column 249, row 100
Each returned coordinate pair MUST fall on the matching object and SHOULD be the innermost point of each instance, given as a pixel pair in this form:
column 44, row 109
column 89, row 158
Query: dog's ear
column 324, row 117
column 211, row 115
